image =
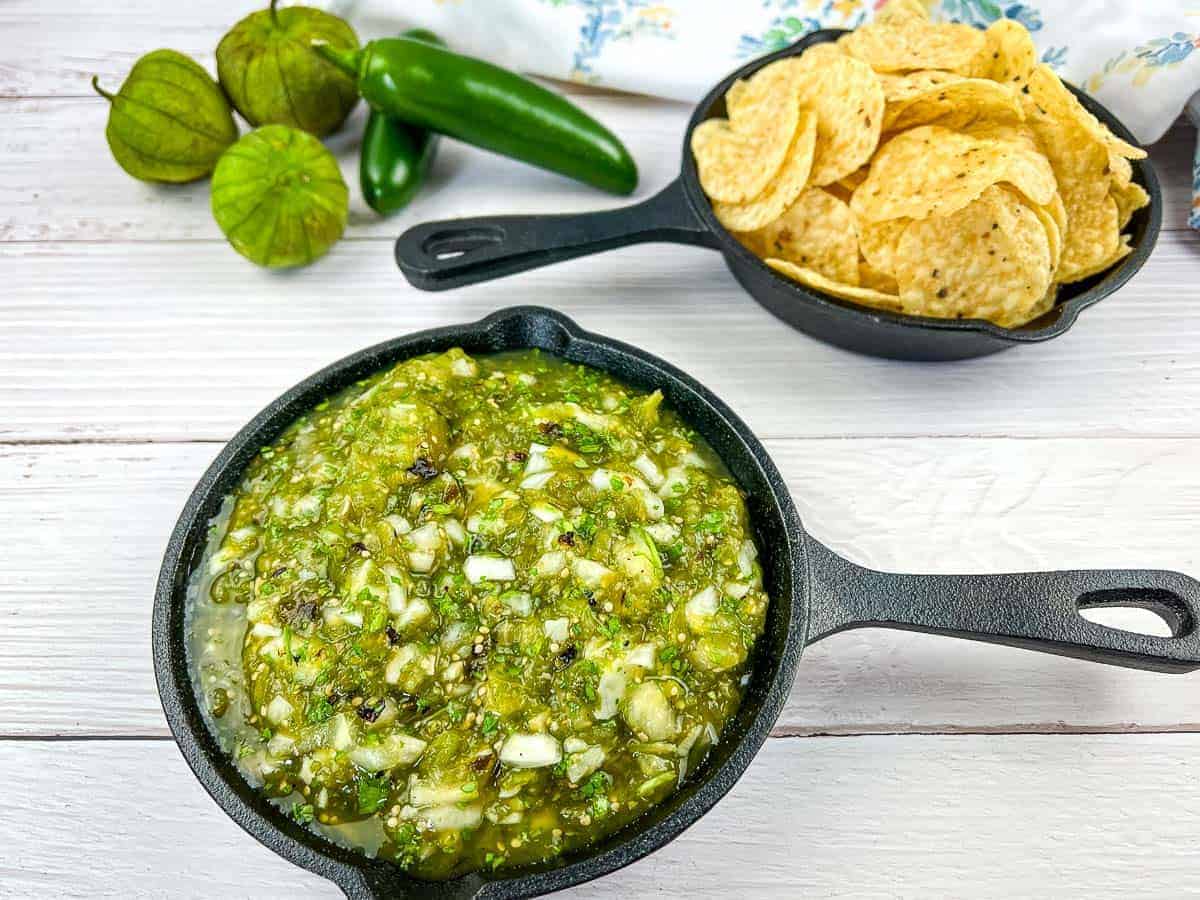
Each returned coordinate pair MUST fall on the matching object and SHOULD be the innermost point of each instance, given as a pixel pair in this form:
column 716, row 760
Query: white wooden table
column 133, row 341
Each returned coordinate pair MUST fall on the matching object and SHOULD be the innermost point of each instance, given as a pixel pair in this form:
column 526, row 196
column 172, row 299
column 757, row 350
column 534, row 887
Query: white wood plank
column 181, row 341
column 83, row 195
column 58, row 180
column 74, row 646
column 1084, row 817
column 54, row 47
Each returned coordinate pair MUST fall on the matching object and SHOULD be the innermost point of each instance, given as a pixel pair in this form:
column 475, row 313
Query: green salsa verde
column 475, row 613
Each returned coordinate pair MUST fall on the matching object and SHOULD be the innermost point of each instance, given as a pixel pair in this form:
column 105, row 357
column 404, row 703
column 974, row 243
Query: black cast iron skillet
column 436, row 256
column 813, row 592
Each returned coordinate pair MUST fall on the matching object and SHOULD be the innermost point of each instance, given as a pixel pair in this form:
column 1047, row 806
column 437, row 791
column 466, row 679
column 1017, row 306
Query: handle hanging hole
column 1157, row 613
column 453, row 243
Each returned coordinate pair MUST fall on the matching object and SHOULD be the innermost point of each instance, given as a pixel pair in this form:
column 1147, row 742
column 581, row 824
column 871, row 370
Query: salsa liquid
column 475, row 613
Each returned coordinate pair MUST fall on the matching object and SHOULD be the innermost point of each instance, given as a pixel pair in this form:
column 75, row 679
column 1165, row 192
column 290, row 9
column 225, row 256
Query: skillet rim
column 1069, row 310
column 512, row 328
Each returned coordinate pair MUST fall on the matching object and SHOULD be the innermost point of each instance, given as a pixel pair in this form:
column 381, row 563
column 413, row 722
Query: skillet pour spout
column 438, row 256
column 813, row 591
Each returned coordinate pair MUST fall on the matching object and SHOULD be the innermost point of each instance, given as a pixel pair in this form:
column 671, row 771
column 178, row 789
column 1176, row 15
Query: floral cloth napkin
column 1141, row 59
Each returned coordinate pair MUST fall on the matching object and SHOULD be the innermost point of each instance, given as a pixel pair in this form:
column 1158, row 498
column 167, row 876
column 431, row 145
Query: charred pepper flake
column 368, row 713
column 423, row 468
column 479, row 763
column 567, row 539
column 393, row 636
column 550, row 429
column 518, row 456
column 567, row 656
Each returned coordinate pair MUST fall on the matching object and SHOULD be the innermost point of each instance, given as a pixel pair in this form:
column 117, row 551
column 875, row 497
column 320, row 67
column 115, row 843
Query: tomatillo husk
column 279, row 197
column 268, row 68
column 169, row 121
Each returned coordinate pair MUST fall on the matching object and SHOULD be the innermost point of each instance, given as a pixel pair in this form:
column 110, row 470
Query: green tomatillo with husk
column 279, row 197
column 169, row 121
column 268, row 68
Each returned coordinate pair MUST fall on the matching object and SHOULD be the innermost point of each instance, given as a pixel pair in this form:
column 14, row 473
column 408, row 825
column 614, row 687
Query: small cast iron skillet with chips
column 813, row 591
column 436, row 256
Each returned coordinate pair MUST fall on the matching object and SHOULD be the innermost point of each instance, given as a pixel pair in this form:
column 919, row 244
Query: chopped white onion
column 279, row 710
column 492, row 568
column 557, row 629
column 550, row 563
column 536, row 481
column 546, row 512
column 581, row 765
column 454, row 531
column 519, row 602
column 649, row 470
column 398, row 523
column 422, row 561
column 530, row 751
column 464, row 367
column 701, row 608
column 590, row 572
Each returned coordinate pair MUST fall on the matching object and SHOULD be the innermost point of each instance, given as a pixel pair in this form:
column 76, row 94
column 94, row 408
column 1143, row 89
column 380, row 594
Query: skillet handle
column 1034, row 610
column 436, row 256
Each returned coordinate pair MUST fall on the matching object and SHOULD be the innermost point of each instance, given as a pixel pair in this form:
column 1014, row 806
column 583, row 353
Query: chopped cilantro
column 491, row 722
column 303, row 813
column 597, row 784
column 319, row 710
column 585, row 527
column 372, row 793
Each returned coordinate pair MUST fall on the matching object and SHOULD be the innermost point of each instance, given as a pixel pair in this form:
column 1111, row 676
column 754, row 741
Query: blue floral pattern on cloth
column 787, row 27
column 1194, row 215
column 610, row 20
column 1140, row 60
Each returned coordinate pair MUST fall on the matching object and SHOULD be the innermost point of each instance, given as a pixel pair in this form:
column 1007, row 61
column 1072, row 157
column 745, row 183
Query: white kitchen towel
column 1140, row 58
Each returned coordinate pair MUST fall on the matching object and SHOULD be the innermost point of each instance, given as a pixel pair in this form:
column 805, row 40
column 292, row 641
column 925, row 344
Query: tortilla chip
column 1129, row 199
column 1122, row 250
column 780, row 193
column 848, row 100
column 1008, row 54
column 738, row 157
column 878, row 242
column 816, row 232
column 818, row 282
column 900, row 87
column 905, row 41
column 932, row 170
column 956, row 105
column 870, row 277
column 988, row 260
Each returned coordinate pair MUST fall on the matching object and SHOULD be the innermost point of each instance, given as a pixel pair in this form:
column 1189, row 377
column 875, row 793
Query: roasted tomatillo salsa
column 474, row 613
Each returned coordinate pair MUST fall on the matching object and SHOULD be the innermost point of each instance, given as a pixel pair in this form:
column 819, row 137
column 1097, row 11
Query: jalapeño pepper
column 482, row 104
column 395, row 156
